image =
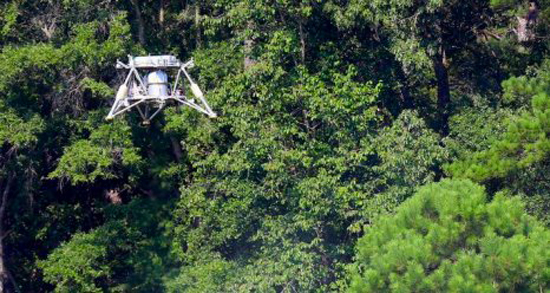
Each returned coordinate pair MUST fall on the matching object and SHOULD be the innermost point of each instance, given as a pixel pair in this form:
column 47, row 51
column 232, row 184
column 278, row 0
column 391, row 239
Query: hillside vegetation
column 360, row 146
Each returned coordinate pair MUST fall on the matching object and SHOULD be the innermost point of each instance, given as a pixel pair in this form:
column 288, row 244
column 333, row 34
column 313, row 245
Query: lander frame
column 155, row 92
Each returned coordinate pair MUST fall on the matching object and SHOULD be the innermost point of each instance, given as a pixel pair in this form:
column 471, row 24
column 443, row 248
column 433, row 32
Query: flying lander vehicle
column 147, row 87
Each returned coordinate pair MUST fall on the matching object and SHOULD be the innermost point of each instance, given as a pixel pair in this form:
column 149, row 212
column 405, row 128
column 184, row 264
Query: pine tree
column 449, row 238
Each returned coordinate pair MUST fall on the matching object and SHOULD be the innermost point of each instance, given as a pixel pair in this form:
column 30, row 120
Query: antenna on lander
column 151, row 94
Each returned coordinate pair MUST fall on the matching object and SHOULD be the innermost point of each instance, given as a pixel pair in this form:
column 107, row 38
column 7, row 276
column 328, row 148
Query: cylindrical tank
column 196, row 91
column 157, row 84
column 122, row 92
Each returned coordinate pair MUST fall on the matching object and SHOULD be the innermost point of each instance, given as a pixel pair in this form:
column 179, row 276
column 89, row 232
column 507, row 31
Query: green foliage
column 25, row 62
column 470, row 131
column 97, row 88
column 409, row 154
column 447, row 237
column 300, row 170
column 210, row 274
column 524, row 143
column 8, row 18
column 519, row 91
column 74, row 266
column 295, row 153
column 127, row 253
column 18, row 132
column 333, row 123
column 105, row 155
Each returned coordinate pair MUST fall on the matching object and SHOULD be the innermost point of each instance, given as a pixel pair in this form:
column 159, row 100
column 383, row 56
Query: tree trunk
column 248, row 47
column 443, row 90
column 4, row 273
column 404, row 92
column 161, row 13
column 141, row 24
column 302, row 41
column 523, row 31
column 176, row 149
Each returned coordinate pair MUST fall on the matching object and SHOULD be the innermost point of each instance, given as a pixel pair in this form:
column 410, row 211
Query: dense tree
column 331, row 115
column 424, row 36
column 525, row 142
column 129, row 252
column 517, row 159
column 448, row 237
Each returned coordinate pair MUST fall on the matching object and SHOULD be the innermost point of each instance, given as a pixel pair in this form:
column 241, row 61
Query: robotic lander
column 147, row 89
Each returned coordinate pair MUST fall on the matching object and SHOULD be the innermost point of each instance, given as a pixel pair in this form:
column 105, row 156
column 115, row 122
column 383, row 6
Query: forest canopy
column 360, row 146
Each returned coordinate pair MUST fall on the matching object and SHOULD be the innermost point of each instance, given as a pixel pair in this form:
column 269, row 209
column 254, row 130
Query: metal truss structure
column 150, row 95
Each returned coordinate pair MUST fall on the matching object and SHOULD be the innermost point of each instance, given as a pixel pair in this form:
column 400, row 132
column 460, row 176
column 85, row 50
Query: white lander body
column 151, row 94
